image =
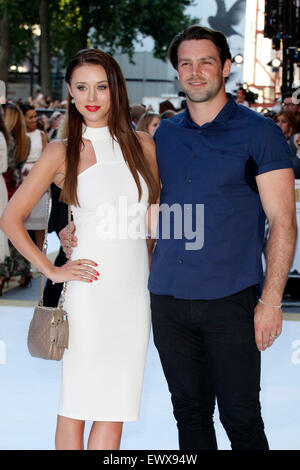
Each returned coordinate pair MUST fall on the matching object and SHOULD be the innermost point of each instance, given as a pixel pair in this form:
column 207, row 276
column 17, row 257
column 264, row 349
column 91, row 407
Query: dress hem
column 89, row 418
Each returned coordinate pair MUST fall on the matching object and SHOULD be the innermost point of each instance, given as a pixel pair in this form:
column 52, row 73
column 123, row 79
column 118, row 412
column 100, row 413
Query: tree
column 4, row 44
column 70, row 25
column 17, row 18
column 116, row 25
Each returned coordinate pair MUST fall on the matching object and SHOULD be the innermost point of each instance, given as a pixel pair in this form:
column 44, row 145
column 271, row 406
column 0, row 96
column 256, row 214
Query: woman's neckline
column 95, row 133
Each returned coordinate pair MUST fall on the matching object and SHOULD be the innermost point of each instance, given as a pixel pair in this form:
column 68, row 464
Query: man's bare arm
column 277, row 193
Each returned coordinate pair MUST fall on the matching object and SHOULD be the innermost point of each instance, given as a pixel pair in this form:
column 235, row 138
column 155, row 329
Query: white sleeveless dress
column 37, row 217
column 109, row 319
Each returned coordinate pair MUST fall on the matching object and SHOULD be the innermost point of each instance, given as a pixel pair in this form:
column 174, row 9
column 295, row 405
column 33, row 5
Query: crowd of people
column 22, row 144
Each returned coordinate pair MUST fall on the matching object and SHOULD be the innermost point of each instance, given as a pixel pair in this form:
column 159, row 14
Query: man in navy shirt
column 225, row 167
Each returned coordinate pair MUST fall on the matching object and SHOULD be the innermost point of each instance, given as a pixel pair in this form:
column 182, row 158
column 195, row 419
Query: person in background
column 18, row 149
column 165, row 106
column 289, row 104
column 54, row 123
column 149, row 122
column 4, row 142
column 38, row 100
column 287, row 122
column 37, row 219
column 42, row 123
column 136, row 111
column 296, row 156
column 241, row 97
column 48, row 101
column 168, row 114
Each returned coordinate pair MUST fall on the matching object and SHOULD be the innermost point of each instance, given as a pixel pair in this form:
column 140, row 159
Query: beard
column 210, row 91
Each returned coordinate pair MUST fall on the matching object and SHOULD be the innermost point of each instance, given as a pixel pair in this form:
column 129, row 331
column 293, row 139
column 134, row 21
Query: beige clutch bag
column 48, row 334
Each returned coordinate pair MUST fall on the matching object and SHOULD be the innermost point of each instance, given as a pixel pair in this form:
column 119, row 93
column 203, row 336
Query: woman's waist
column 119, row 256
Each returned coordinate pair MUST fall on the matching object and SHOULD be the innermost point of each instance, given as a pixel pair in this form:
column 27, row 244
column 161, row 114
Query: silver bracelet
column 269, row 305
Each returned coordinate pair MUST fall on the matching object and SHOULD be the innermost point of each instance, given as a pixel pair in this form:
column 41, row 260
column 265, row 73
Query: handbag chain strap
column 44, row 251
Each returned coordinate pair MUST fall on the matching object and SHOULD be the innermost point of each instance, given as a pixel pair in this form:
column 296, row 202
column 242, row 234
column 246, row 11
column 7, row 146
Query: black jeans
column 208, row 351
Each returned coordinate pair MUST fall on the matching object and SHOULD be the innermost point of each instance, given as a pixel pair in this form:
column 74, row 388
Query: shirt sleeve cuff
column 276, row 165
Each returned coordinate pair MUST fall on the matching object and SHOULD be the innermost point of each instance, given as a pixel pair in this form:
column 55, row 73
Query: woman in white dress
column 38, row 141
column 4, row 137
column 109, row 176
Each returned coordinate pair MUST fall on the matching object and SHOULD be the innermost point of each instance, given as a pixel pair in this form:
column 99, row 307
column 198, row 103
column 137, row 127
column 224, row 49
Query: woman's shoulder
column 56, row 150
column 54, row 154
column 58, row 144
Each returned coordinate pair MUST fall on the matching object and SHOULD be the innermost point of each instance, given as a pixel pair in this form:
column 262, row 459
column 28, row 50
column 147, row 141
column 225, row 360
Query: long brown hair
column 15, row 124
column 119, row 124
column 290, row 117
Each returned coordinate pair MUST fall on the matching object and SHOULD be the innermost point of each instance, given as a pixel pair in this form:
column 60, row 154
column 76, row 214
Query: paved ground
column 29, row 388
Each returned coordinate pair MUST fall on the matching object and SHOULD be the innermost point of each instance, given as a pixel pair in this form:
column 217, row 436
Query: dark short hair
column 196, row 31
column 243, row 90
column 25, row 107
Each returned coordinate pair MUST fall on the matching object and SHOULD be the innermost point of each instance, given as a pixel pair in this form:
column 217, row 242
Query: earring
column 72, row 101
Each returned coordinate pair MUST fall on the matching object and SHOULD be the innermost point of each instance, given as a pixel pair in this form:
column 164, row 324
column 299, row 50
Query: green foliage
column 116, row 25
column 112, row 25
column 23, row 15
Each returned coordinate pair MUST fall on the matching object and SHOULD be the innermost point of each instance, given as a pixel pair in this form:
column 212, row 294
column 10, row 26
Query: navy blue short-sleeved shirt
column 208, row 180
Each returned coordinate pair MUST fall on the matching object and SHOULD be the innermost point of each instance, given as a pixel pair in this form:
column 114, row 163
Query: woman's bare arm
column 21, row 204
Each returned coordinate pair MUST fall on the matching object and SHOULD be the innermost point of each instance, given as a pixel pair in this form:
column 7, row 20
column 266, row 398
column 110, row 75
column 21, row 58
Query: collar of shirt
column 220, row 120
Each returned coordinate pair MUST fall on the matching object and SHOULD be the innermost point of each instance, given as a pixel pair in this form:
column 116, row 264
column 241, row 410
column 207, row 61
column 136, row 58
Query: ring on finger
column 273, row 336
column 79, row 261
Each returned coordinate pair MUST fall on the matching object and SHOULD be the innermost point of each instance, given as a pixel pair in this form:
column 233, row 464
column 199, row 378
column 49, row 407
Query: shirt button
column 180, row 261
column 189, row 180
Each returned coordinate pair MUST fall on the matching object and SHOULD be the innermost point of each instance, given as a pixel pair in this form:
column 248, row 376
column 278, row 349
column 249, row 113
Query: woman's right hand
column 77, row 270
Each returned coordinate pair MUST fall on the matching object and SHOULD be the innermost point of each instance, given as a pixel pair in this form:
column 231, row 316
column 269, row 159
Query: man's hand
column 64, row 238
column 268, row 325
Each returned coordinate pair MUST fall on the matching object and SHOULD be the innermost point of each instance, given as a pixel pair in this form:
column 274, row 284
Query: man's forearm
column 280, row 253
